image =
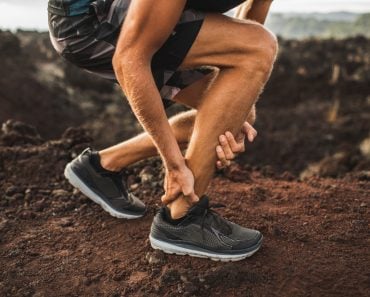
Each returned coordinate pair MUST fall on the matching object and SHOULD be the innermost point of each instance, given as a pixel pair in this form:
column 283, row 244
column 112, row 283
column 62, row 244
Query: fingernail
column 219, row 149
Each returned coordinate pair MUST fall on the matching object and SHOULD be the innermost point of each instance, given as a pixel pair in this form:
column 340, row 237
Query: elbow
column 129, row 60
column 117, row 62
column 122, row 59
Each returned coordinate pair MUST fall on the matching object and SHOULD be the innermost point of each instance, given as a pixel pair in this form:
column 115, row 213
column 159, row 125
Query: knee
column 269, row 45
column 251, row 119
column 262, row 54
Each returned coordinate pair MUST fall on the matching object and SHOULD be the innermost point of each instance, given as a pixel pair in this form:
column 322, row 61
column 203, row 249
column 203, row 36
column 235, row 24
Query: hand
column 179, row 182
column 230, row 145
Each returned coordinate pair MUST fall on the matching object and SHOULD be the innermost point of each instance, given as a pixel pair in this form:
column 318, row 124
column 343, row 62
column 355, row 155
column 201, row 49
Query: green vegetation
column 334, row 25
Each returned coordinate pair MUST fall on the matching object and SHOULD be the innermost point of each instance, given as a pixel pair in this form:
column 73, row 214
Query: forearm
column 256, row 10
column 137, row 81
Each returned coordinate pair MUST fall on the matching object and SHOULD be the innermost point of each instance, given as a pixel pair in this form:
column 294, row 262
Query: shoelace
column 209, row 211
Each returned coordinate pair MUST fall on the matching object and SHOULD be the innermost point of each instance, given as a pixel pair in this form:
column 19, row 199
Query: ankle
column 108, row 162
column 179, row 208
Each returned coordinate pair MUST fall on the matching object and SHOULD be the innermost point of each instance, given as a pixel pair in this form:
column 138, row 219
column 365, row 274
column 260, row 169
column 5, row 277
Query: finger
column 193, row 198
column 219, row 165
column 235, row 147
column 249, row 131
column 252, row 133
column 221, row 155
column 240, row 137
column 226, row 148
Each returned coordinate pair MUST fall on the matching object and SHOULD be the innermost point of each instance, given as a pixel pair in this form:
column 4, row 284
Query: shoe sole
column 75, row 181
column 169, row 248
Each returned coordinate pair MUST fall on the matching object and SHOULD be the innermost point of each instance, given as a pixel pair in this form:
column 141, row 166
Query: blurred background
column 313, row 118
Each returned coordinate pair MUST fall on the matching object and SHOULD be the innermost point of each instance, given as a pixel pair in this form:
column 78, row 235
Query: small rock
column 44, row 191
column 338, row 209
column 10, row 191
column 132, row 179
column 189, row 288
column 26, row 215
column 65, row 222
column 363, row 175
column 169, row 276
column 3, row 224
column 276, row 231
column 363, row 204
column 134, row 187
column 18, row 133
column 76, row 136
column 287, row 176
column 146, row 174
column 18, row 196
column 119, row 276
column 59, row 193
column 155, row 257
column 39, row 206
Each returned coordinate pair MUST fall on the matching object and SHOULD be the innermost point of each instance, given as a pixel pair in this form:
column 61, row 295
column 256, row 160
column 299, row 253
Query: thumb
column 169, row 197
column 193, row 198
column 190, row 195
column 188, row 191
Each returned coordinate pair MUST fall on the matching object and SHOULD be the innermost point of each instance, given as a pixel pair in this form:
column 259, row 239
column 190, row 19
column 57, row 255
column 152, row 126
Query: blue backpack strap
column 69, row 7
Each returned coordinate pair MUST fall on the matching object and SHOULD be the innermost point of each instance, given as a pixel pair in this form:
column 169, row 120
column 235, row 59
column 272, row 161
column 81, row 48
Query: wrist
column 176, row 164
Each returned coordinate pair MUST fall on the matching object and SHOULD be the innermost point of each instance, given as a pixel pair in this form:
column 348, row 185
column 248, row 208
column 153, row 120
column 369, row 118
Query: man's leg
column 141, row 146
column 244, row 52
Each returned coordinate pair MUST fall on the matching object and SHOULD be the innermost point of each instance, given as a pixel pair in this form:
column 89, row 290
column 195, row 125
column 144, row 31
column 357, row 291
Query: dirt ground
column 313, row 120
column 55, row 242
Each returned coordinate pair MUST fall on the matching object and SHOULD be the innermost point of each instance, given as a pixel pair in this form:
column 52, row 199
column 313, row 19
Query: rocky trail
column 56, row 242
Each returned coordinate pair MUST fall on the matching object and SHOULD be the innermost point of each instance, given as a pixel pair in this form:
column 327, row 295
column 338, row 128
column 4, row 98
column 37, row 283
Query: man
column 154, row 50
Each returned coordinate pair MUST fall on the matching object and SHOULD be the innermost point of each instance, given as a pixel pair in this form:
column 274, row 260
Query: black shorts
column 89, row 41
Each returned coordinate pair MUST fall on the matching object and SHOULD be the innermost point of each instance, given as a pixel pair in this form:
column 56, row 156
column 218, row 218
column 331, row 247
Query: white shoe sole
column 75, row 181
column 173, row 249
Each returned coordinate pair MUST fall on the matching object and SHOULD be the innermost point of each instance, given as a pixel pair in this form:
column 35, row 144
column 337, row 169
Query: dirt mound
column 39, row 88
column 315, row 106
column 56, row 242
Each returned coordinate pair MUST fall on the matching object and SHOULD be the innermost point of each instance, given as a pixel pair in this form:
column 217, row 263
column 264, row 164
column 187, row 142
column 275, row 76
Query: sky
column 32, row 14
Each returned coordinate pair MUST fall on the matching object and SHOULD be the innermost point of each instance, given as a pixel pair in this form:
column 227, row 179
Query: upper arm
column 147, row 26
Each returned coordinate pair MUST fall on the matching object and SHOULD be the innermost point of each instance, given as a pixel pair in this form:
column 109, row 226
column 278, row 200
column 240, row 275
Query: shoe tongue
column 200, row 206
column 199, row 209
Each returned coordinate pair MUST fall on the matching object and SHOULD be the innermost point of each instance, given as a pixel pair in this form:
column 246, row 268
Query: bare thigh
column 222, row 42
column 225, row 41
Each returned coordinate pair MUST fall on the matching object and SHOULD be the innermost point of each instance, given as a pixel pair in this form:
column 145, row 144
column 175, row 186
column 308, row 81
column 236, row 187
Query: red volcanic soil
column 56, row 242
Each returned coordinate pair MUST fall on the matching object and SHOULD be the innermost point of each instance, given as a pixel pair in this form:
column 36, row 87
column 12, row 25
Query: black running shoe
column 203, row 233
column 102, row 186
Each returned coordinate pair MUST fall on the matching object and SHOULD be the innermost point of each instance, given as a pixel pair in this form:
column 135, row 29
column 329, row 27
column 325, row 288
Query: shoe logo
column 224, row 239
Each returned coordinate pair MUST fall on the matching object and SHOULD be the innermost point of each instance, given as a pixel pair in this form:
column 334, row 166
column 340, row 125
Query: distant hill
column 344, row 16
column 322, row 25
